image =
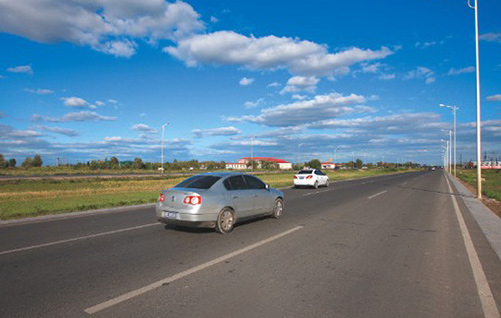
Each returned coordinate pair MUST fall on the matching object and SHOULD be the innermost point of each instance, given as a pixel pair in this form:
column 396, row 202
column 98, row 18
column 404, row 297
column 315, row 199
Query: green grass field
column 27, row 198
column 491, row 185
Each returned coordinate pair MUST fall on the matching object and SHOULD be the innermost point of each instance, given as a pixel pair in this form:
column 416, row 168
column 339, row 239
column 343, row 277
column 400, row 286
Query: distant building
column 328, row 165
column 236, row 166
column 282, row 164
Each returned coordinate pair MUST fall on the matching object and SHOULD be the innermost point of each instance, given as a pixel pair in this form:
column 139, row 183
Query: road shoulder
column 489, row 223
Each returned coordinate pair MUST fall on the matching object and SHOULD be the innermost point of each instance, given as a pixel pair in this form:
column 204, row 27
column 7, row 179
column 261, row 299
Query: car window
column 227, row 184
column 198, row 182
column 238, row 183
column 305, row 172
column 254, row 183
column 318, row 172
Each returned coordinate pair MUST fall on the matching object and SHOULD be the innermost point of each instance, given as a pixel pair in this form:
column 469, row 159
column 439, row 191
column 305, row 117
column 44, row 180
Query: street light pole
column 479, row 142
column 252, row 153
column 163, row 129
column 335, row 155
column 454, row 109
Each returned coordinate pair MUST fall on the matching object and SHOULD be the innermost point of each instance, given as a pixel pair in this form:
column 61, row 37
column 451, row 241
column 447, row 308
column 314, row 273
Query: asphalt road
column 387, row 246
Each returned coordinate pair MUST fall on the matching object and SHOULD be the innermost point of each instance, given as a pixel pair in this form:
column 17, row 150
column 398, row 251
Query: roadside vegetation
column 491, row 183
column 28, row 198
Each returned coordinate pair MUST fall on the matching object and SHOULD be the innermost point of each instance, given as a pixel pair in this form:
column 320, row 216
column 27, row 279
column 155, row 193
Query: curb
column 489, row 223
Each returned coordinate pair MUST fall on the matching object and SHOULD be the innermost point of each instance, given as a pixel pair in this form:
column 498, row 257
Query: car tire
column 327, row 184
column 278, row 208
column 315, row 186
column 225, row 221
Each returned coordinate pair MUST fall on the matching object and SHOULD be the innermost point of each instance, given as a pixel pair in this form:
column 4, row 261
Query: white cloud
column 58, row 130
column 300, row 57
column 113, row 101
column 371, row 68
column 307, row 111
column 386, row 77
column 299, row 97
column 494, row 98
column 255, row 142
column 424, row 45
column 300, row 83
column 491, row 37
column 222, row 131
column 39, row 91
column 469, row 69
column 80, row 116
column 109, row 26
column 421, row 72
column 19, row 69
column 244, row 81
column 75, row 102
column 24, row 133
column 99, row 103
column 250, row 104
column 274, row 84
column 213, row 19
column 144, row 128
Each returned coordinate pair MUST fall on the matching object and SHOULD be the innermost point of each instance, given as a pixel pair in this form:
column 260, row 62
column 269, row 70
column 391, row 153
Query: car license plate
column 301, row 178
column 171, row 215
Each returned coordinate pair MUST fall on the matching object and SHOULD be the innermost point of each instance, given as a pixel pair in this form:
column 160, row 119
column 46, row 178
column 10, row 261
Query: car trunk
column 174, row 199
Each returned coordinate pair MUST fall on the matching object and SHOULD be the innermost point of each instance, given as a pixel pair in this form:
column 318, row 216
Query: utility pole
column 252, row 153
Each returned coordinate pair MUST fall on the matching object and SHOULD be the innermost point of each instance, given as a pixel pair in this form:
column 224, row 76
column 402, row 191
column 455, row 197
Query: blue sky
column 84, row 80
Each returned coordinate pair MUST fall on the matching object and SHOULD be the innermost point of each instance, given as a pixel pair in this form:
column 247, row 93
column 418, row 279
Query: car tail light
column 295, row 177
column 309, row 177
column 161, row 198
column 193, row 200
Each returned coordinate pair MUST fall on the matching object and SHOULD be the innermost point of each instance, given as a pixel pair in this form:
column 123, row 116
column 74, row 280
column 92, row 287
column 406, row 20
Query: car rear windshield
column 198, row 182
column 305, row 172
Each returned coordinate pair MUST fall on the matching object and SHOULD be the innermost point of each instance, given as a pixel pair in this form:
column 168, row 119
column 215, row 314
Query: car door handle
column 235, row 197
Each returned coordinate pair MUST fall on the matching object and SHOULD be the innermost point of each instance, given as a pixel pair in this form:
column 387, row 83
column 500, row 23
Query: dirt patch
column 493, row 205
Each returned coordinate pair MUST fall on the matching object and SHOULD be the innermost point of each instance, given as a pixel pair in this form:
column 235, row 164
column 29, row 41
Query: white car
column 311, row 178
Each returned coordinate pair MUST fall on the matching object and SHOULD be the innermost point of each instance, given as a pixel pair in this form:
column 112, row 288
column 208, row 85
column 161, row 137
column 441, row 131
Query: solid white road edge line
column 484, row 291
column 375, row 195
column 150, row 287
column 77, row 239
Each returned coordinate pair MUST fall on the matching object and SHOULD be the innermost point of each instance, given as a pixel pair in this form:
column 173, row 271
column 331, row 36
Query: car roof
column 222, row 174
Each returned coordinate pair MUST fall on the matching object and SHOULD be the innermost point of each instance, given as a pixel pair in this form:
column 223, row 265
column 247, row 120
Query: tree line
column 36, row 161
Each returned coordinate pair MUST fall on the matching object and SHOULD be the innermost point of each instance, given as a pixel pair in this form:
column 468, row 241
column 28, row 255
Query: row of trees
column 36, row 161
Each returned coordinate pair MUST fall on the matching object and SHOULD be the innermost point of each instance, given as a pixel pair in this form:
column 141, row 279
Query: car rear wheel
column 315, row 185
column 278, row 209
column 225, row 221
column 327, row 184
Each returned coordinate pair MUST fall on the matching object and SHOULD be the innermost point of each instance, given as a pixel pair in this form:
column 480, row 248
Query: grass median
column 28, row 198
column 491, row 183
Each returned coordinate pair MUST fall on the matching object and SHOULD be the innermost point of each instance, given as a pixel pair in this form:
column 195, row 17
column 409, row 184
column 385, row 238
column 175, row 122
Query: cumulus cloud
column 75, row 102
column 250, row 104
column 58, row 130
column 99, row 103
column 371, row 68
column 469, row 69
column 109, row 26
column 80, row 116
column 39, row 91
column 494, row 98
column 300, row 83
column 213, row 19
column 222, row 131
column 491, row 37
column 300, row 57
column 421, row 72
column 244, row 81
column 424, row 45
column 274, row 84
column 144, row 128
column 19, row 69
column 308, row 111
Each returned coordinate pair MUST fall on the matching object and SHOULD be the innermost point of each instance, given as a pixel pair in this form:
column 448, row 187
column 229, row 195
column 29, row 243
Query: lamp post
column 163, row 129
column 479, row 142
column 335, row 155
column 454, row 109
column 450, row 148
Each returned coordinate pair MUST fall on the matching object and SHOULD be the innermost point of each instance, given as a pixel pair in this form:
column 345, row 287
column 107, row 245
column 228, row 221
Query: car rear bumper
column 304, row 182
column 186, row 219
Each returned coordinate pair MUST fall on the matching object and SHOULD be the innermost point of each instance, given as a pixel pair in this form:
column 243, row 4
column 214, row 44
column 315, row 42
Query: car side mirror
column 267, row 186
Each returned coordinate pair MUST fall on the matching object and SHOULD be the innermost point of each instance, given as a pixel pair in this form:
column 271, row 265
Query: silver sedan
column 218, row 200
